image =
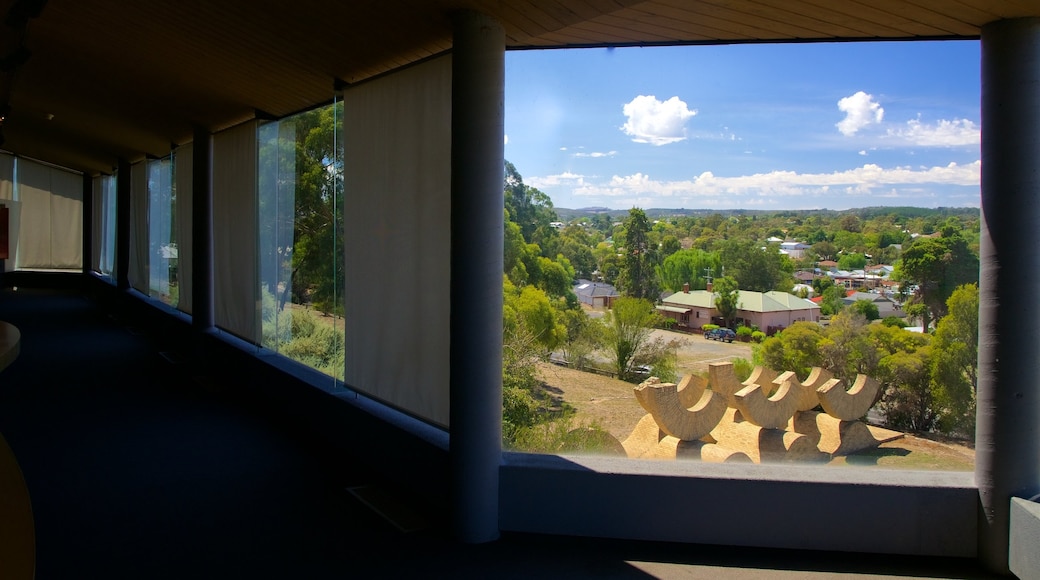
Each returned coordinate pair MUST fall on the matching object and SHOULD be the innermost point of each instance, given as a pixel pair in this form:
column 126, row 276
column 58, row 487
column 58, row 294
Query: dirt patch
column 611, row 404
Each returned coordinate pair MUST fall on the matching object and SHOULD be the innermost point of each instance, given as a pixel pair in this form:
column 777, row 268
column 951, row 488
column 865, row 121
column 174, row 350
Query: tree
column 936, row 266
column 687, row 267
column 638, row 277
column 866, row 308
column 955, row 360
column 527, row 207
column 852, row 261
column 833, row 300
column 627, row 336
column 756, row 269
column 727, row 298
column 796, row 349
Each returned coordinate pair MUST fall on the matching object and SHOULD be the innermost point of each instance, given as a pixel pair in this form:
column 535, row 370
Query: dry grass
column 611, row 404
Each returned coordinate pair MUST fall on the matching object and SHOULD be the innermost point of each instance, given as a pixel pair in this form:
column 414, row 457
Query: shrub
column 707, row 327
column 894, row 321
column 758, row 336
column 744, row 333
column 742, row 367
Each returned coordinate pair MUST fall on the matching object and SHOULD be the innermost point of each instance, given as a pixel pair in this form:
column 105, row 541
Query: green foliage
column 742, row 368
column 937, row 266
column 796, row 349
column 894, row 321
column 526, row 206
column 688, row 267
column 564, row 436
column 754, row 268
column 744, row 333
column 707, row 327
column 727, row 298
column 852, row 261
column 299, row 334
column 530, row 308
column 638, row 275
column 758, row 336
column 627, row 329
column 833, row 300
column 956, row 360
column 865, row 308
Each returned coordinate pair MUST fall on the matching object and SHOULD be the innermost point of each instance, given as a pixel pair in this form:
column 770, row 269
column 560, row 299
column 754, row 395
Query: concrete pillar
column 123, row 225
column 1007, row 452
column 88, row 223
column 477, row 149
column 202, row 313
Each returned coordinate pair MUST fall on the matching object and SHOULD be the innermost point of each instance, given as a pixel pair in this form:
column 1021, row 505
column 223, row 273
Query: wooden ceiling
column 110, row 79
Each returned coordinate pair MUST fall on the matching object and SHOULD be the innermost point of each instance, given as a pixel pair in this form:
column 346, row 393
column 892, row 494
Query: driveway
column 695, row 352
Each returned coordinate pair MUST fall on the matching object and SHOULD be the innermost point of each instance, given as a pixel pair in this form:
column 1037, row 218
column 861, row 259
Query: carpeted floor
column 137, row 471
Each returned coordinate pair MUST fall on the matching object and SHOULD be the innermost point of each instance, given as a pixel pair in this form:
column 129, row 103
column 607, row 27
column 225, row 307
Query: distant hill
column 567, row 215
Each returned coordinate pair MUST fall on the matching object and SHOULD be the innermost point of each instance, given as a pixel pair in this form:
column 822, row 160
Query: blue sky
column 780, row 126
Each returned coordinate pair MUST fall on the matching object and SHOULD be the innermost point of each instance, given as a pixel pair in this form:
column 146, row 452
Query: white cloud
column 860, row 110
column 656, row 122
column 566, row 178
column 506, row 141
column 708, row 188
column 596, row 154
column 957, row 132
column 863, row 152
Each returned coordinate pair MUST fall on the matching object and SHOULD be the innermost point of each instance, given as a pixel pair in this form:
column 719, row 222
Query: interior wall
column 397, row 199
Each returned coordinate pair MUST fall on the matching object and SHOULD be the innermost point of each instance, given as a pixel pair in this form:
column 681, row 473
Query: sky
column 768, row 126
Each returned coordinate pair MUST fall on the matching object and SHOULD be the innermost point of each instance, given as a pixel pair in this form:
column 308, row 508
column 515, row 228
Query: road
column 695, row 352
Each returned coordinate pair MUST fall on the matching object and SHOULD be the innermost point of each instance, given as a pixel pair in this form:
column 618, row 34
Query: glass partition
column 300, row 237
column 162, row 242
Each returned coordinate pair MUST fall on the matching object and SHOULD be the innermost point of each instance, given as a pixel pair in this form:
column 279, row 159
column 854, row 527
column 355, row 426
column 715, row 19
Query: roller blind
column 51, row 230
column 397, row 199
column 235, row 283
column 138, row 273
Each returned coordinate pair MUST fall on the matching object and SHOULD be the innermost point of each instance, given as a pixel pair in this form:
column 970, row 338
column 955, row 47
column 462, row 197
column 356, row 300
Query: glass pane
column 299, row 239
column 687, row 224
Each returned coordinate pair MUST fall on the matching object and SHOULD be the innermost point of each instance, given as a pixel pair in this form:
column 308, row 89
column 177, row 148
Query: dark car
column 720, row 334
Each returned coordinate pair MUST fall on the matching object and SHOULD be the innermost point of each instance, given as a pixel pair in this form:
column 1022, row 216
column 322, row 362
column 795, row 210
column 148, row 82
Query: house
column 94, row 90
column 794, row 250
column 765, row 310
column 885, row 305
column 596, row 294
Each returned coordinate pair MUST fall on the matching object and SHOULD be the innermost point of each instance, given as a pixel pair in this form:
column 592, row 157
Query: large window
column 162, row 241
column 782, row 193
column 300, row 238
column 104, row 225
column 48, row 212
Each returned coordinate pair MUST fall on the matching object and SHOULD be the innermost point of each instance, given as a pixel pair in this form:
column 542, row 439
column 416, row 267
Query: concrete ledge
column 799, row 506
column 1023, row 557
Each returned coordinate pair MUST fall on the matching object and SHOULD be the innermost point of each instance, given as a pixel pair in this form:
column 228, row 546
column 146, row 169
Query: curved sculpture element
column 769, row 412
column 763, row 376
column 723, row 381
column 851, row 405
column 691, row 389
column 661, row 400
column 808, row 397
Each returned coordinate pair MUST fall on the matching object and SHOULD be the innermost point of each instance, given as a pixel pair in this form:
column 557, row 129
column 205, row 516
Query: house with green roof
column 769, row 311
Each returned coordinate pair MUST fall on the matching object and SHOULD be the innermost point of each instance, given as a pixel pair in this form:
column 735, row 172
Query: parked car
column 720, row 334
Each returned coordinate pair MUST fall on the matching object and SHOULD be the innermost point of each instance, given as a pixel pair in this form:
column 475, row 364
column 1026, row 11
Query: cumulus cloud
column 708, row 189
column 860, row 110
column 955, row 133
column 656, row 122
column 597, row 154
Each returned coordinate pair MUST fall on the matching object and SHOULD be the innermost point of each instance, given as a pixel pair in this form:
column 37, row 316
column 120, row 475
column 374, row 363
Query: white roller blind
column 138, row 273
column 51, row 229
column 397, row 194
column 235, row 283
column 182, row 183
column 7, row 200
